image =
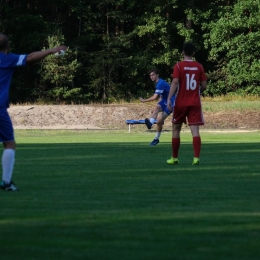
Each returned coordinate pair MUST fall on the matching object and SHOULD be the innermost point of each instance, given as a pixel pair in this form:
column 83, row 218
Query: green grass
column 227, row 106
column 108, row 195
column 217, row 104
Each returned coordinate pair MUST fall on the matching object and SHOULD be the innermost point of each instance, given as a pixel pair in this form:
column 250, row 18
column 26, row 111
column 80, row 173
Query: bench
column 135, row 122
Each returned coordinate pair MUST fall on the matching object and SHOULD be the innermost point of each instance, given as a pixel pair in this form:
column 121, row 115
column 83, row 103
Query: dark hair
column 156, row 71
column 3, row 42
column 188, row 48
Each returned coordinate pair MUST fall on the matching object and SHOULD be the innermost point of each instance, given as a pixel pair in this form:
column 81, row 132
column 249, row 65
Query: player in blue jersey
column 162, row 89
column 8, row 63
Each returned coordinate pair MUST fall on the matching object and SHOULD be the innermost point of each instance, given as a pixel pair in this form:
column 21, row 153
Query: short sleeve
column 15, row 60
column 176, row 71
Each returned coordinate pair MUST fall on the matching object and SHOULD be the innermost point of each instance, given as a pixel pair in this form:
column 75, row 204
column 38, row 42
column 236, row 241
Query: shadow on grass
column 139, row 155
column 122, row 201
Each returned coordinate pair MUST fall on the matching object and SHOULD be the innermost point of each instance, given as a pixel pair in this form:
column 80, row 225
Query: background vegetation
column 113, row 43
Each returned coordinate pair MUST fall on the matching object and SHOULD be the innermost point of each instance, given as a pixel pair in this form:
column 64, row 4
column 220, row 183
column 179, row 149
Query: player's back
column 190, row 73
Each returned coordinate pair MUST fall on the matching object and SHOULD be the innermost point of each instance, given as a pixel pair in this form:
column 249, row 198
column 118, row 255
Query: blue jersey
column 162, row 89
column 8, row 64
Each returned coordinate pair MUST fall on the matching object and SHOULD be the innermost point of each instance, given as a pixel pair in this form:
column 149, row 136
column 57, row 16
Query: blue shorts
column 163, row 104
column 6, row 126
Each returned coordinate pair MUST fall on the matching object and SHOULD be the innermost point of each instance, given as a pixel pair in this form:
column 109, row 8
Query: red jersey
column 190, row 73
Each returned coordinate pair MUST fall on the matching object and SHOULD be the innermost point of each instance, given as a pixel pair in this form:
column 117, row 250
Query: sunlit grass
column 225, row 98
column 223, row 106
column 222, row 98
column 231, row 103
column 236, row 103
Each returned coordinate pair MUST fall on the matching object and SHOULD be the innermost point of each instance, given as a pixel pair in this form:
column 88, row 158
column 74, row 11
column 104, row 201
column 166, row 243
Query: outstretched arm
column 38, row 55
column 152, row 98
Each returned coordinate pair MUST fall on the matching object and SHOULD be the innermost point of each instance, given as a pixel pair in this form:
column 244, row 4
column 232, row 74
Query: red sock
column 196, row 146
column 175, row 147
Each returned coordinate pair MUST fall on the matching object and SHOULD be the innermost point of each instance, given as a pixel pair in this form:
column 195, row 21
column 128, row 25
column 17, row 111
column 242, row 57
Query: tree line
column 114, row 43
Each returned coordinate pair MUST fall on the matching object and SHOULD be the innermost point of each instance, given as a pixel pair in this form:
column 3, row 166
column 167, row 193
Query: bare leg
column 156, row 111
column 159, row 127
column 195, row 130
column 160, row 121
column 149, row 122
column 176, row 129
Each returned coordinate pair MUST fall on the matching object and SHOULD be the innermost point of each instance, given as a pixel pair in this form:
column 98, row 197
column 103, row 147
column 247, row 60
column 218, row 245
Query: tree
column 58, row 73
column 114, row 43
column 233, row 41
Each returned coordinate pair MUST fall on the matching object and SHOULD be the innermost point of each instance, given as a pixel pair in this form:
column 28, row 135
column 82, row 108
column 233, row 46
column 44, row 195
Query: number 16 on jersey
column 191, row 83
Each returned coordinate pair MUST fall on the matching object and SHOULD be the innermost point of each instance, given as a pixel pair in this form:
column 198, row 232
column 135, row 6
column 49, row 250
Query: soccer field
column 109, row 195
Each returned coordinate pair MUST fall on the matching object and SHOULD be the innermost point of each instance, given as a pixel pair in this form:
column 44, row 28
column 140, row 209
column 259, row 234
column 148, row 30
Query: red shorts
column 192, row 113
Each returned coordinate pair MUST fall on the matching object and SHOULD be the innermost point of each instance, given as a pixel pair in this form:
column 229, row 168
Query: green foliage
column 233, row 40
column 114, row 43
column 58, row 73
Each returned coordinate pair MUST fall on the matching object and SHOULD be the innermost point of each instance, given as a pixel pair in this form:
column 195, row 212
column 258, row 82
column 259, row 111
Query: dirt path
column 114, row 117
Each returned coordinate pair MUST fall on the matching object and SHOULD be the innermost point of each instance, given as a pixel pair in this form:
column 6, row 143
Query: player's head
column 3, row 42
column 154, row 75
column 188, row 49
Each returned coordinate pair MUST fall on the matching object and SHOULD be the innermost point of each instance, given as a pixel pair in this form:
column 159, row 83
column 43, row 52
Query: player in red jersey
column 189, row 80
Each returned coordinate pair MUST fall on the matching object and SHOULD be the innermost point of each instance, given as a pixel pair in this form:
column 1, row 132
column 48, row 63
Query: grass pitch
column 109, row 195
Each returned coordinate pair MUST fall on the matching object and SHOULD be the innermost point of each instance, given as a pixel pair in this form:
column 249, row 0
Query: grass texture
column 109, row 195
